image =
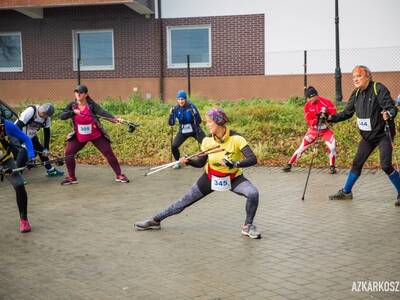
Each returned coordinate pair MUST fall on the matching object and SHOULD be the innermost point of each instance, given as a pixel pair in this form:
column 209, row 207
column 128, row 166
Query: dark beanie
column 310, row 92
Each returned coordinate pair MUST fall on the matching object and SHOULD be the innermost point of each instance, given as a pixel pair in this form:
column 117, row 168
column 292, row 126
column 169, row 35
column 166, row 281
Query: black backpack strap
column 34, row 114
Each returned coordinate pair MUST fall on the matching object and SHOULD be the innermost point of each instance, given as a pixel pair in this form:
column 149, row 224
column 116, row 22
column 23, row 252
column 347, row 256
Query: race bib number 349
column 364, row 124
column 85, row 129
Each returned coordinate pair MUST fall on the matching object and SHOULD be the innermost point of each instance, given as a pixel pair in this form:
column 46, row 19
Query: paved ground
column 83, row 247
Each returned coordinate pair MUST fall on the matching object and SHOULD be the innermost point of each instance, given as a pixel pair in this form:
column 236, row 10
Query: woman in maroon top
column 87, row 128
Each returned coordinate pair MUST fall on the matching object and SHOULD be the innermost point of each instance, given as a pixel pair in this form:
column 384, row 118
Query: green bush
column 274, row 131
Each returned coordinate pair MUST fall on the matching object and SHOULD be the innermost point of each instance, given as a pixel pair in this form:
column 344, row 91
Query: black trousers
column 180, row 138
column 17, row 182
column 22, row 156
column 365, row 149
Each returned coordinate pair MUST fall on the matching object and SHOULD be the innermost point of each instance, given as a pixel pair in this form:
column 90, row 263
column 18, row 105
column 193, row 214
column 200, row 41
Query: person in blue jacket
column 7, row 164
column 189, row 123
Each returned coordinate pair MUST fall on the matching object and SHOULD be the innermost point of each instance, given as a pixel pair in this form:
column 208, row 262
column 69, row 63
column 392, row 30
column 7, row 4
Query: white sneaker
column 251, row 231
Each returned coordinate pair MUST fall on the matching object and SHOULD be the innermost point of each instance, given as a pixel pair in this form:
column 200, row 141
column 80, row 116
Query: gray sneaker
column 177, row 167
column 287, row 168
column 397, row 203
column 251, row 231
column 147, row 224
column 341, row 195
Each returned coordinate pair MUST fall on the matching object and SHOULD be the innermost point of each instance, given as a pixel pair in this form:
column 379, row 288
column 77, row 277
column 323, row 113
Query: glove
column 322, row 116
column 230, row 163
column 59, row 162
column 30, row 164
column 45, row 152
column 6, row 171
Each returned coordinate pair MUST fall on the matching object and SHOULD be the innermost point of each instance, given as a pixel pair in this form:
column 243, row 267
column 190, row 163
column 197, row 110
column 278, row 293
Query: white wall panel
column 369, row 31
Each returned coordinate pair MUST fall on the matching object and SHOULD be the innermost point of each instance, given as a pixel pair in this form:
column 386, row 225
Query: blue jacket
column 188, row 114
column 14, row 131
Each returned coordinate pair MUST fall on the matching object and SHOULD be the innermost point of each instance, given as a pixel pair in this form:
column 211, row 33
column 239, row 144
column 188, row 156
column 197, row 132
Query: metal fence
column 286, row 75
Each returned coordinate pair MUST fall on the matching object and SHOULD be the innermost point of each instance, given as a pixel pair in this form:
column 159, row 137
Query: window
column 10, row 52
column 192, row 40
column 96, row 49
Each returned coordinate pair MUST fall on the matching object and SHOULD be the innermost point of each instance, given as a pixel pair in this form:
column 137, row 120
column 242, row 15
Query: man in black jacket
column 375, row 111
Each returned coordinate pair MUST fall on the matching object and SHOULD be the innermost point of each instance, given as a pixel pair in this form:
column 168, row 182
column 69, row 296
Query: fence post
column 79, row 57
column 338, row 73
column 188, row 74
column 305, row 72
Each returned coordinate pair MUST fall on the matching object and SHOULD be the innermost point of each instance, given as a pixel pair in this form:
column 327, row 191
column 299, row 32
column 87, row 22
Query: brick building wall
column 47, row 43
column 237, row 43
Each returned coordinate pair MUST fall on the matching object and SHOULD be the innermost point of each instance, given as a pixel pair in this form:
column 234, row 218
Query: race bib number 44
column 85, row 129
column 364, row 124
column 220, row 184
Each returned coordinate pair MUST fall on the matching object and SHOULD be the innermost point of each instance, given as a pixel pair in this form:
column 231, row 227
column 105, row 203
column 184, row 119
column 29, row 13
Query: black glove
column 322, row 116
column 30, row 164
column 6, row 171
column 230, row 163
column 59, row 161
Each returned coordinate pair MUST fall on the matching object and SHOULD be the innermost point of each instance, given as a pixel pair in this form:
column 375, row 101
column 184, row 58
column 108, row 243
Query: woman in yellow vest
column 7, row 164
column 223, row 172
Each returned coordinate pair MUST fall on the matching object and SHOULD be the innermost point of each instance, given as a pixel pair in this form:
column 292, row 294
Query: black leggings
column 180, row 138
column 18, row 184
column 22, row 157
column 202, row 188
column 365, row 149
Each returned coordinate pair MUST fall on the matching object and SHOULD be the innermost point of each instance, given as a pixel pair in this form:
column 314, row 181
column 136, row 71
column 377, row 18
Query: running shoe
column 147, row 224
column 332, row 170
column 250, row 230
column 177, row 167
column 122, row 178
column 341, row 195
column 24, row 226
column 287, row 168
column 53, row 172
column 69, row 180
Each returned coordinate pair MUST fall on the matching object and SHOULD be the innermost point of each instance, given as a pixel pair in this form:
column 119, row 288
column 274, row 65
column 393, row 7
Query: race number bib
column 187, row 128
column 31, row 132
column 364, row 124
column 85, row 129
column 220, row 184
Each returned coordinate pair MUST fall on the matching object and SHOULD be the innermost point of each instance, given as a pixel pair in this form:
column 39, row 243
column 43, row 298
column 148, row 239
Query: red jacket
column 312, row 109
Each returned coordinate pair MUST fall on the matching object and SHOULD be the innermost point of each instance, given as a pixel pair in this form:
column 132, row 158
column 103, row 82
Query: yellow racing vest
column 5, row 150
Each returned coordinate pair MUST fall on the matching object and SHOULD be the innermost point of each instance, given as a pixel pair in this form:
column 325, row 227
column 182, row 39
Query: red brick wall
column 237, row 43
column 47, row 43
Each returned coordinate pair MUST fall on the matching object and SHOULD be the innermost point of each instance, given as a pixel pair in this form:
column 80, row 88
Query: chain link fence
column 286, row 75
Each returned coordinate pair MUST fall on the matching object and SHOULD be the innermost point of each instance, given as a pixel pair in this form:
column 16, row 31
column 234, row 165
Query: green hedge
column 274, row 131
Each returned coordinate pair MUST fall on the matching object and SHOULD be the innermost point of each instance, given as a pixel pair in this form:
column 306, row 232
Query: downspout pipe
column 161, row 25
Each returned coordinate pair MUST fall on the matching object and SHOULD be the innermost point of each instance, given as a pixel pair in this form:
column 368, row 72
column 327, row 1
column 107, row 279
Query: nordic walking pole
column 214, row 149
column 166, row 166
column 195, row 127
column 172, row 140
column 387, row 130
column 312, row 157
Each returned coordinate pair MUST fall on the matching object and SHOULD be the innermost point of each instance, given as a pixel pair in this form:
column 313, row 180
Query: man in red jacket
column 312, row 110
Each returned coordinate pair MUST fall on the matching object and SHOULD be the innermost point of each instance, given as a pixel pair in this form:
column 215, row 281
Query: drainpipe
column 161, row 51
